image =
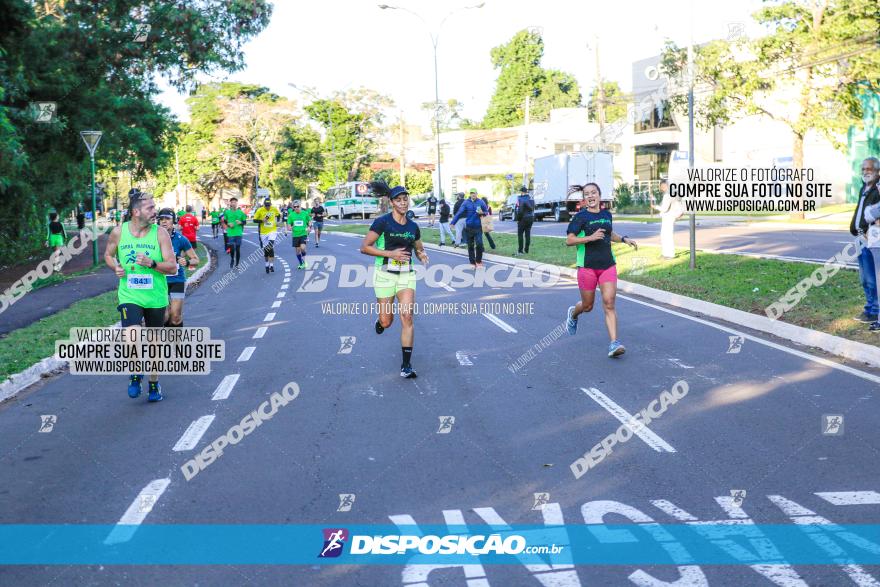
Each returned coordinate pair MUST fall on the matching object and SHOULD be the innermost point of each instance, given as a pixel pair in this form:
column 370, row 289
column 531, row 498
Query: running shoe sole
column 617, row 352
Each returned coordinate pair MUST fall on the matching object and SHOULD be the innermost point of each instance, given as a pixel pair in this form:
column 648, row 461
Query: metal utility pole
column 435, row 39
column 526, row 146
column 690, row 74
column 177, row 172
column 91, row 138
column 402, row 151
column 600, row 104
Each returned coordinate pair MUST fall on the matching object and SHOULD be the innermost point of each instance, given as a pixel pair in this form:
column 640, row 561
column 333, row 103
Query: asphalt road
column 751, row 420
column 760, row 239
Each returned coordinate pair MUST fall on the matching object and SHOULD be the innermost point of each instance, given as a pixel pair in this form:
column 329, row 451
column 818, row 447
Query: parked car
column 419, row 210
column 508, row 209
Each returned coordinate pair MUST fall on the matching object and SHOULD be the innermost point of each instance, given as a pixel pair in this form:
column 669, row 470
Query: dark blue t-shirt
column 394, row 236
column 594, row 254
column 181, row 245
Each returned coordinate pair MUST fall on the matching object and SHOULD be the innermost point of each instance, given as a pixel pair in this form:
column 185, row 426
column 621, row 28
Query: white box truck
column 554, row 173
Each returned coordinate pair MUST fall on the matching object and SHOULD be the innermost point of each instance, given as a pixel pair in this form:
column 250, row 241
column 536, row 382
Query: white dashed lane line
column 269, row 317
column 276, row 304
column 193, row 433
column 136, row 513
column 225, row 388
column 281, row 294
column 500, row 323
column 246, row 354
column 261, row 332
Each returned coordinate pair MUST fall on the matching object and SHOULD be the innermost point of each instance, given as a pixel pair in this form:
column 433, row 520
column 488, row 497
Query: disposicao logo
column 334, row 541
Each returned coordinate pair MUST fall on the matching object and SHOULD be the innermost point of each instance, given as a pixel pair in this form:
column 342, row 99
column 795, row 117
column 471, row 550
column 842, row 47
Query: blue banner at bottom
column 732, row 543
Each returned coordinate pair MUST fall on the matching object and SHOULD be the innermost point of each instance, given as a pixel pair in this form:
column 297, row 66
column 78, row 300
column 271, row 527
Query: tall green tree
column 98, row 63
column 807, row 72
column 449, row 115
column 353, row 123
column 519, row 75
column 615, row 104
column 298, row 161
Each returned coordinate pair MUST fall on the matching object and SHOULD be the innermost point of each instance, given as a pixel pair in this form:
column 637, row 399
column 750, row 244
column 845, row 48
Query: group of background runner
column 151, row 263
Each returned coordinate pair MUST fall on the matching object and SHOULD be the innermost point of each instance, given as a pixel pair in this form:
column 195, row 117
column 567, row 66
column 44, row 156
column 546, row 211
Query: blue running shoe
column 406, row 371
column 571, row 323
column 134, row 386
column 615, row 349
column 155, row 392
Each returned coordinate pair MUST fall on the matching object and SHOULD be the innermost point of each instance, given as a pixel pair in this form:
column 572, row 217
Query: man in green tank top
column 142, row 257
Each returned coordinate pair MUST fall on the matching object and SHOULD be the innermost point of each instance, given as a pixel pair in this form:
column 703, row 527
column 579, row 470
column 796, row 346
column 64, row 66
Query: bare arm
column 420, row 252
column 616, row 238
column 368, row 248
column 168, row 265
column 571, row 240
column 192, row 256
column 110, row 253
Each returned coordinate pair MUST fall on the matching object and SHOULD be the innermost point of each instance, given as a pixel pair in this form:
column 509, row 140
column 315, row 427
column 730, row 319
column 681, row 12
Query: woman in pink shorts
column 590, row 230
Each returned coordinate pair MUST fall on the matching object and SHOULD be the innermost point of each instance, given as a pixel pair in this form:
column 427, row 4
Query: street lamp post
column 435, row 39
column 91, row 138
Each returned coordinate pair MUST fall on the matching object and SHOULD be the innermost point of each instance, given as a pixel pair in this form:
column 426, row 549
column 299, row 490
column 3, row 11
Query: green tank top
column 141, row 286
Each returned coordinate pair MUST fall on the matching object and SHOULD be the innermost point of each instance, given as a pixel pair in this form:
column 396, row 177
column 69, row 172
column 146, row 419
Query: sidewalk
column 48, row 300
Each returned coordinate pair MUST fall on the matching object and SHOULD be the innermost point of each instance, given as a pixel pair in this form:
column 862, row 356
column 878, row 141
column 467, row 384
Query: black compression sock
column 407, row 354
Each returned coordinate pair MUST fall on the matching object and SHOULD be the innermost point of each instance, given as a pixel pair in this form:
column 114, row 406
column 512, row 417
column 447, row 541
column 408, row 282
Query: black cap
column 398, row 191
column 267, row 201
column 166, row 213
column 523, row 190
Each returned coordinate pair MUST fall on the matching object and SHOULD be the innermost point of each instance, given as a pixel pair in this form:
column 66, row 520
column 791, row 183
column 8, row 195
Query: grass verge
column 26, row 346
column 744, row 283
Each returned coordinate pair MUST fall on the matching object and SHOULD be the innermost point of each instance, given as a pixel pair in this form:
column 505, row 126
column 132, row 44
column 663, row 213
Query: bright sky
column 332, row 44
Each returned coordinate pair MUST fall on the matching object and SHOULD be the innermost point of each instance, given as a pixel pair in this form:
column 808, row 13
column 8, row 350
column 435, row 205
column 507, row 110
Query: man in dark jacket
column 858, row 227
column 473, row 210
column 524, row 214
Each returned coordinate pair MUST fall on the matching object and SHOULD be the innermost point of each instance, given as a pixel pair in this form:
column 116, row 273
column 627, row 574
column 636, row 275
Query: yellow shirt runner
column 268, row 219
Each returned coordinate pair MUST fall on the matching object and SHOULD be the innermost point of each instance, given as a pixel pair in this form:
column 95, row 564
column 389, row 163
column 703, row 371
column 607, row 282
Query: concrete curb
column 19, row 381
column 842, row 347
column 16, row 383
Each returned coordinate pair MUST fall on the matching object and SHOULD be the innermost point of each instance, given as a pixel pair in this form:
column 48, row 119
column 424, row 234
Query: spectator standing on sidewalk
column 487, row 223
column 444, row 224
column 872, row 234
column 858, row 227
column 473, row 209
column 459, row 230
column 56, row 236
column 525, row 217
column 431, row 208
